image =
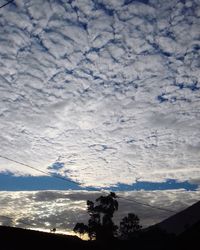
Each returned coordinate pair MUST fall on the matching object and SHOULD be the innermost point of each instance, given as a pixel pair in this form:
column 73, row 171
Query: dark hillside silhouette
column 181, row 221
column 192, row 232
column 22, row 239
column 17, row 238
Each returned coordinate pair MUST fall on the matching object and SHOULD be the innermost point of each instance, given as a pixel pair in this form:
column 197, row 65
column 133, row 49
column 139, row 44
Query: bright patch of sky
column 108, row 88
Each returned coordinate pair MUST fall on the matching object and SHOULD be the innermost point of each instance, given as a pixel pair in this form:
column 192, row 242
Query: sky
column 104, row 93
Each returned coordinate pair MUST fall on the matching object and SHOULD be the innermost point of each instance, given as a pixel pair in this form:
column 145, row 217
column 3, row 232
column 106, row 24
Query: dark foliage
column 100, row 225
column 81, row 228
column 130, row 227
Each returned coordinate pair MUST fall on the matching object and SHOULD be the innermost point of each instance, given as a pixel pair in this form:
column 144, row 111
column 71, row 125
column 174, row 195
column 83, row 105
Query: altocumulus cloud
column 47, row 209
column 98, row 85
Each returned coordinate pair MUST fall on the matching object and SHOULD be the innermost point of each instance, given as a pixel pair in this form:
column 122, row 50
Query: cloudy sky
column 105, row 93
column 43, row 210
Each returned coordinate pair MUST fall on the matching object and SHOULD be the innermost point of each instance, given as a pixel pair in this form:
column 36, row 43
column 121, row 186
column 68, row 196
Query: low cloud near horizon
column 63, row 209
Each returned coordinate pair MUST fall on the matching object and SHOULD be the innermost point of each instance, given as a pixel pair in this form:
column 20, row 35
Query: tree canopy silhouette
column 130, row 227
column 100, row 225
column 81, row 228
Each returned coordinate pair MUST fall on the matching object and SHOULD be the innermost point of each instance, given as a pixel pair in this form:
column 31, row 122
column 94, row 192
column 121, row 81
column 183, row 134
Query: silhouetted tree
column 53, row 230
column 81, row 228
column 130, row 227
column 100, row 225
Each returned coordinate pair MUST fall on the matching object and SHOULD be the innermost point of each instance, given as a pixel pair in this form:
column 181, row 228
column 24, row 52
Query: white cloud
column 101, row 85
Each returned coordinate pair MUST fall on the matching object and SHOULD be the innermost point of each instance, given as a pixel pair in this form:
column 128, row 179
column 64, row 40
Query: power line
column 70, row 181
column 6, row 4
column 142, row 203
column 147, row 205
column 39, row 170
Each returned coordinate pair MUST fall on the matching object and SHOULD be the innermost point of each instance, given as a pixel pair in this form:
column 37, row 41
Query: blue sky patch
column 140, row 1
column 150, row 186
column 9, row 182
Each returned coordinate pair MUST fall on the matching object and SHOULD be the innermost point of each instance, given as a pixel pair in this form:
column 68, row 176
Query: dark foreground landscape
column 180, row 231
column 16, row 238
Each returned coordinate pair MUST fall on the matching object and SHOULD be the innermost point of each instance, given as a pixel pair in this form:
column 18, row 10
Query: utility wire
column 6, row 4
column 141, row 203
column 147, row 205
column 39, row 170
column 70, row 181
